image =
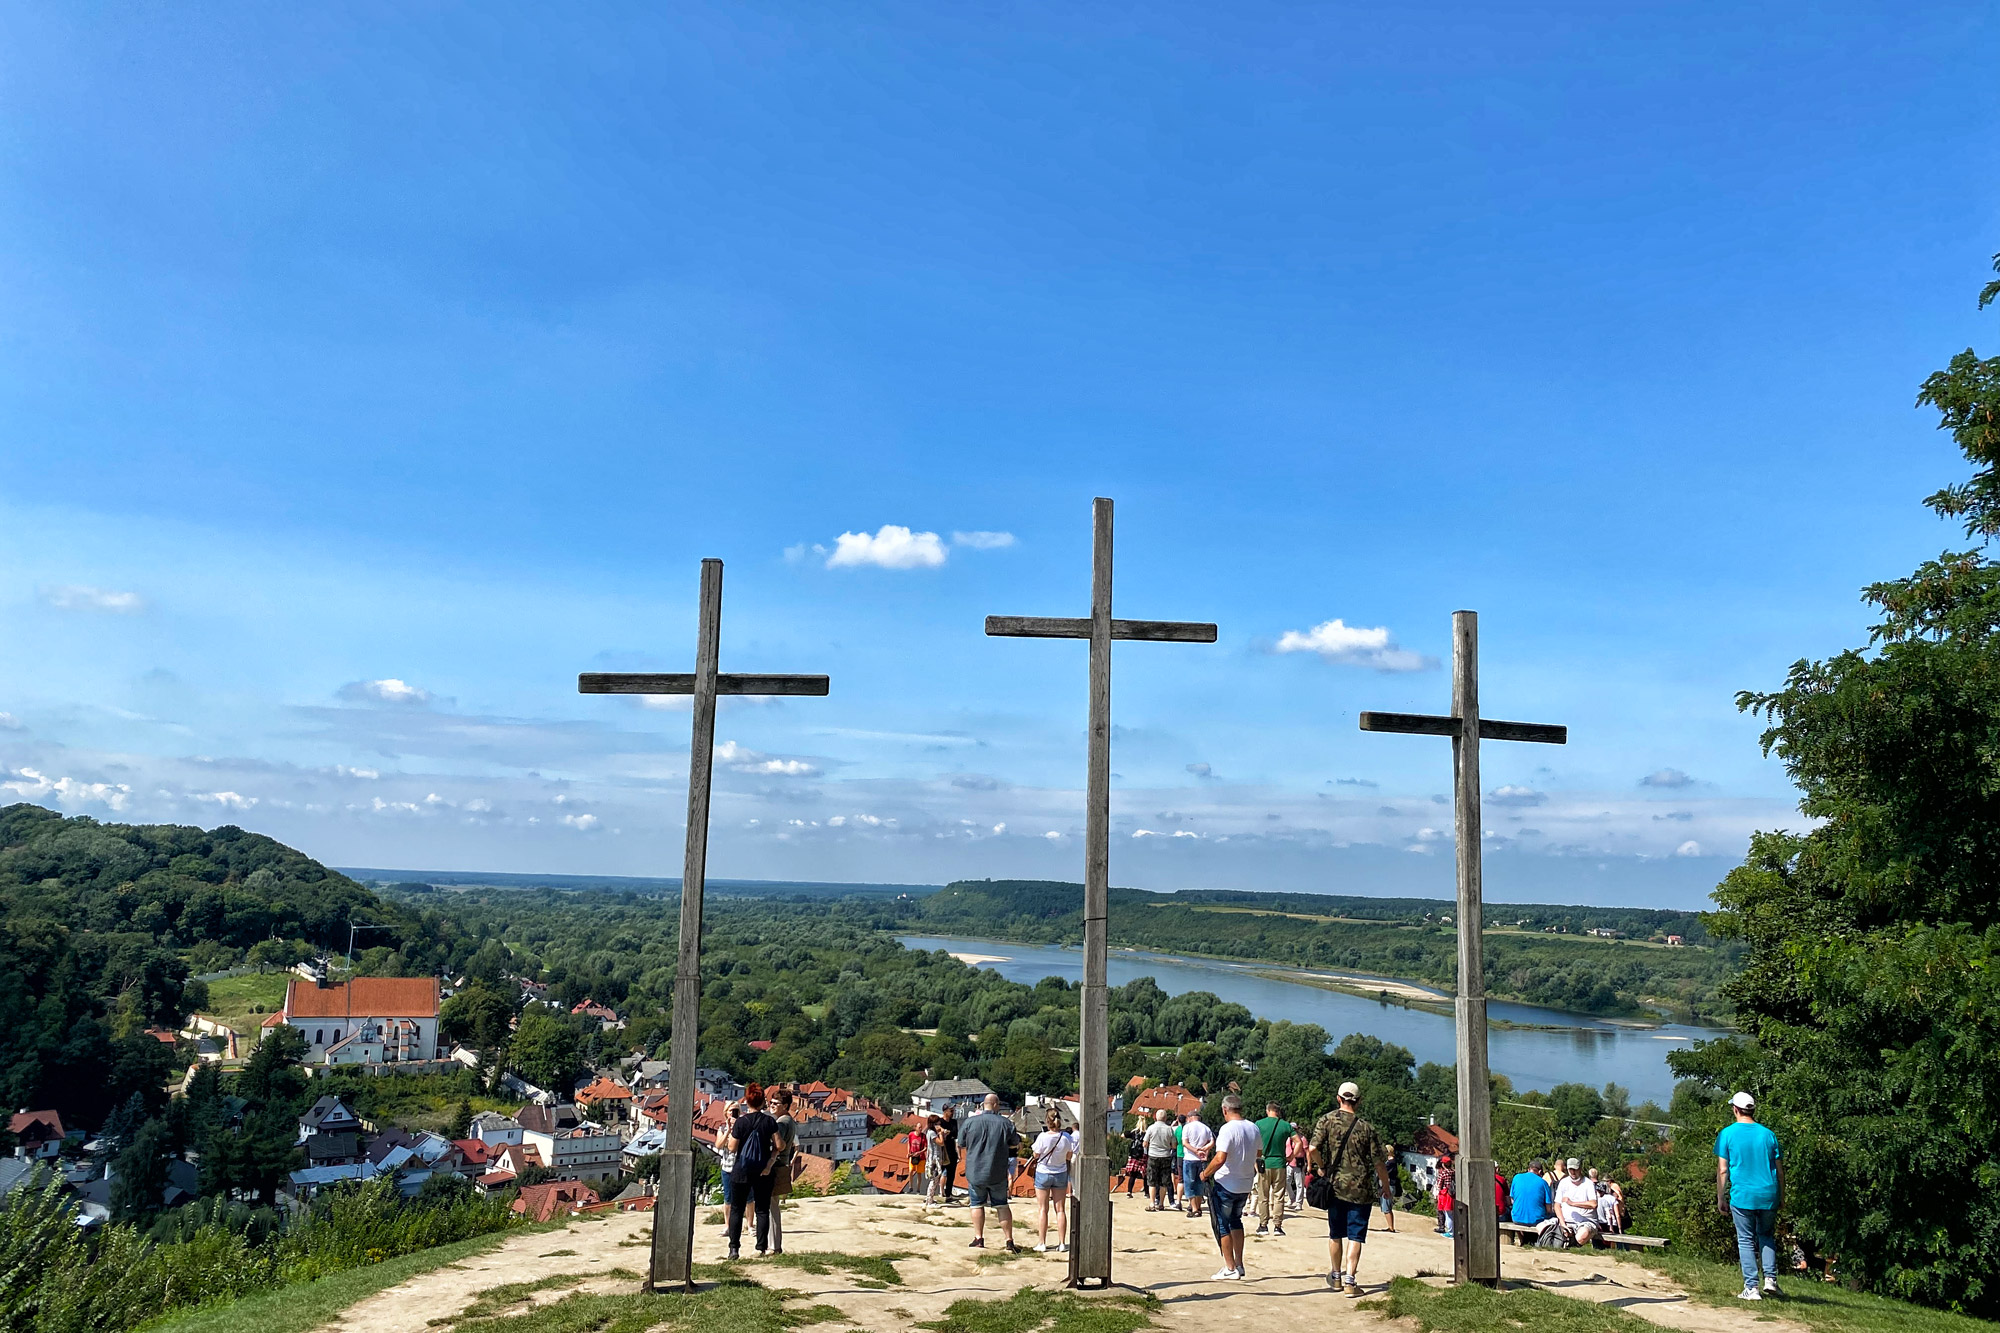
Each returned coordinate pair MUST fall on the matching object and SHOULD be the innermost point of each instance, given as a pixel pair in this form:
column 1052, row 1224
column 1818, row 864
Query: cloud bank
column 81, row 597
column 892, row 547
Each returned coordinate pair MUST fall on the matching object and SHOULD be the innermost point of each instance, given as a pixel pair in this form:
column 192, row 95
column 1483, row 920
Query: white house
column 964, row 1093
column 494, row 1129
column 369, row 1020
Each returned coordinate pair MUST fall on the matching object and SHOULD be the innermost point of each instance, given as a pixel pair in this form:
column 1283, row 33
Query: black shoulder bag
column 1319, row 1189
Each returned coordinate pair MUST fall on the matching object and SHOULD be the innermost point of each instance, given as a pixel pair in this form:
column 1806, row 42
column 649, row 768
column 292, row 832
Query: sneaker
column 1263, row 1230
column 1771, row 1286
column 1333, row 1279
column 1749, row 1294
column 1223, row 1275
column 1012, row 1248
column 1353, row 1285
column 976, row 1243
column 1063, row 1248
column 1277, row 1231
column 1041, row 1249
column 734, row 1254
column 1241, row 1274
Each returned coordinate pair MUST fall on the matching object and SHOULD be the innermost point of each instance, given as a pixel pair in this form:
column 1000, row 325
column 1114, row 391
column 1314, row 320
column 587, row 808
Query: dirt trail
column 1164, row 1253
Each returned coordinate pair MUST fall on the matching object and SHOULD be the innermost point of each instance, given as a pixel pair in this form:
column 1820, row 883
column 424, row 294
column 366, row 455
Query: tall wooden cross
column 1090, row 1256
column 1479, row 1256
column 673, row 1206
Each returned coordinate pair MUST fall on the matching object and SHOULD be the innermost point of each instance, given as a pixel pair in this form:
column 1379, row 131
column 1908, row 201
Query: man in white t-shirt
column 1196, row 1139
column 1231, row 1175
column 1576, row 1203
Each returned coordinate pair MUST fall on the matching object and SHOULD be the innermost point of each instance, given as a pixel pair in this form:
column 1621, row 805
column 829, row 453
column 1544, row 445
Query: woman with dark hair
column 754, row 1141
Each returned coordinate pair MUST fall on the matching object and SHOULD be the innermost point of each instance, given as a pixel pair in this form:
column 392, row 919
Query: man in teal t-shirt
column 1749, row 1184
column 1272, row 1132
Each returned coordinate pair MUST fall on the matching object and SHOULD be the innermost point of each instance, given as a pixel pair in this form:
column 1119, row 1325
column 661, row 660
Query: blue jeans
column 1756, row 1237
column 1225, row 1210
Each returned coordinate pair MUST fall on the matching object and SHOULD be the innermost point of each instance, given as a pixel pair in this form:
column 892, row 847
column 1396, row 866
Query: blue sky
column 435, row 347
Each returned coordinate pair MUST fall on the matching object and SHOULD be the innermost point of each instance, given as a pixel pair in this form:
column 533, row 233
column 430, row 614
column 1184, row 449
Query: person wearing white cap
column 1576, row 1203
column 1749, row 1186
column 1345, row 1150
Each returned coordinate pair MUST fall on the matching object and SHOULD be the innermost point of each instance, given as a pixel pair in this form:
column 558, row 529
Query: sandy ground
column 1163, row 1253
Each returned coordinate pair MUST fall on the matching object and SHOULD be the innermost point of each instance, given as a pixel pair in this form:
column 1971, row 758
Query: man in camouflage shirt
column 1345, row 1149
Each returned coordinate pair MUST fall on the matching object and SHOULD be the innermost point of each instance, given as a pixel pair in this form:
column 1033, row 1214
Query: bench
column 1617, row 1239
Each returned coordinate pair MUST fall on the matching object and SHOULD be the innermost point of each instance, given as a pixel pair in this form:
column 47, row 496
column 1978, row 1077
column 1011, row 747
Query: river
column 1561, row 1048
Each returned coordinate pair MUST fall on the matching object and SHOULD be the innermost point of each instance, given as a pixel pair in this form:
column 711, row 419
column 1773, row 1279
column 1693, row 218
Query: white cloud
column 892, row 547
column 741, row 759
column 388, row 690
column 1053, row 836
column 1667, row 777
column 1688, row 848
column 1354, row 645
column 581, row 823
column 1516, row 796
column 983, row 541
column 79, row 597
column 1201, row 770
column 33, row 785
column 8, row 722
column 228, row 800
column 367, row 774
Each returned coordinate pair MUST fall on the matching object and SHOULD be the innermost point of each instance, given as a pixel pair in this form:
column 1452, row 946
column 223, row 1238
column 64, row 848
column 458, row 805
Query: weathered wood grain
column 682, row 682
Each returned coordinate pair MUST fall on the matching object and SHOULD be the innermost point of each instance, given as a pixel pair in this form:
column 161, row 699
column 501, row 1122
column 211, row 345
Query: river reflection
column 1563, row 1048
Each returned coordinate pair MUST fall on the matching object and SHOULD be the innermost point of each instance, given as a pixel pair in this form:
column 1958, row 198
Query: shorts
column 1051, row 1180
column 1192, row 1185
column 1160, row 1173
column 1225, row 1210
column 987, row 1196
column 1348, row 1221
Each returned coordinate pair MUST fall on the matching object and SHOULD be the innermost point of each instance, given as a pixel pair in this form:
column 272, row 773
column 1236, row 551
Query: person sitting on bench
column 1576, row 1204
column 1534, row 1201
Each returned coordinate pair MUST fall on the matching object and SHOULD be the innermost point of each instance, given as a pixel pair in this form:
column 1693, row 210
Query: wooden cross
column 1478, row 1255
column 673, row 1206
column 1090, row 1255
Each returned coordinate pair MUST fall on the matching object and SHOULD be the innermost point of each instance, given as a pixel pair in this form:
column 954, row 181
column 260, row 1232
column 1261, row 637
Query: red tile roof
column 887, row 1166
column 363, row 997
column 602, row 1089
column 35, row 1126
column 1176, row 1101
column 1433, row 1140
column 542, row 1202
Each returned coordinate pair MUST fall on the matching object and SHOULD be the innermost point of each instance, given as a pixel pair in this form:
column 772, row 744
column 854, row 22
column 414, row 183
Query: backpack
column 1557, row 1237
column 753, row 1154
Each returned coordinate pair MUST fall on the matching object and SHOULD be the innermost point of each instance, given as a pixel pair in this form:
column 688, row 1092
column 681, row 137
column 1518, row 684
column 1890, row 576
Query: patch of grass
column 715, row 1218
column 558, row 1254
column 495, row 1299
column 726, row 1299
column 876, row 1269
column 307, row 1305
column 1033, row 1310
column 1818, row 1305
column 1476, row 1309
column 242, row 1002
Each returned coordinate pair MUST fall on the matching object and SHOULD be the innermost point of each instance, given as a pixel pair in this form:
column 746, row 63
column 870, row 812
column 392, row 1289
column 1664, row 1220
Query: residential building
column 548, row 1119
column 1420, row 1159
column 836, row 1136
column 586, row 1150
column 932, row 1096
column 539, row 1203
column 38, row 1135
column 328, row 1115
column 606, row 1099
column 1175, row 1100
column 492, row 1128
column 334, row 1150
column 368, row 1020
column 643, row 1144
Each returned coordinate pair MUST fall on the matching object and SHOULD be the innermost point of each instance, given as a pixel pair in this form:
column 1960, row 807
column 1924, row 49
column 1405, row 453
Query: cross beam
column 1478, row 1253
column 1090, row 1255
column 673, row 1205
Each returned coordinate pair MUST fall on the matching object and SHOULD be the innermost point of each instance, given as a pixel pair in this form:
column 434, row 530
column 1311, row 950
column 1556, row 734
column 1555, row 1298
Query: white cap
column 1572, row 1164
column 1742, row 1101
column 1349, row 1091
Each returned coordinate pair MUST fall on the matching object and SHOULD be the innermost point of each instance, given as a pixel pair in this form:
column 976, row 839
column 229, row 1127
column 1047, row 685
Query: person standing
column 947, row 1149
column 1196, row 1140
column 1576, row 1203
column 1159, row 1161
column 1232, row 1174
column 1295, row 1168
column 1273, row 1132
column 933, row 1158
column 988, row 1141
column 725, row 1159
column 1135, row 1164
column 753, row 1141
column 1749, row 1186
column 1389, row 1203
column 1050, row 1160
column 787, row 1150
column 1345, row 1150
column 1447, row 1192
column 917, row 1143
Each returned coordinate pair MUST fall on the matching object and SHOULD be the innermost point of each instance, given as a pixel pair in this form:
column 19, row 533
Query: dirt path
column 1164, row 1253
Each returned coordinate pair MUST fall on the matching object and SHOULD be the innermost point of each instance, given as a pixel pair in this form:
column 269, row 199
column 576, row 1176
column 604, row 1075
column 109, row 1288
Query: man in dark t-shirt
column 989, row 1140
column 947, row 1150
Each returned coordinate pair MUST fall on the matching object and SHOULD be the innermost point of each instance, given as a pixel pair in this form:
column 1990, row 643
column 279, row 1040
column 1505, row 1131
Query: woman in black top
column 947, row 1149
column 754, row 1140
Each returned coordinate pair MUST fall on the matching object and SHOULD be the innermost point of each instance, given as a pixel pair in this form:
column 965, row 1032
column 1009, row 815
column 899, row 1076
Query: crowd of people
column 1264, row 1168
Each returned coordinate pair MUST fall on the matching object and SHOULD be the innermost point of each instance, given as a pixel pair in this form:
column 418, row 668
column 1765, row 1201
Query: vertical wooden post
column 1481, row 1249
column 673, row 1207
column 1093, row 1172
